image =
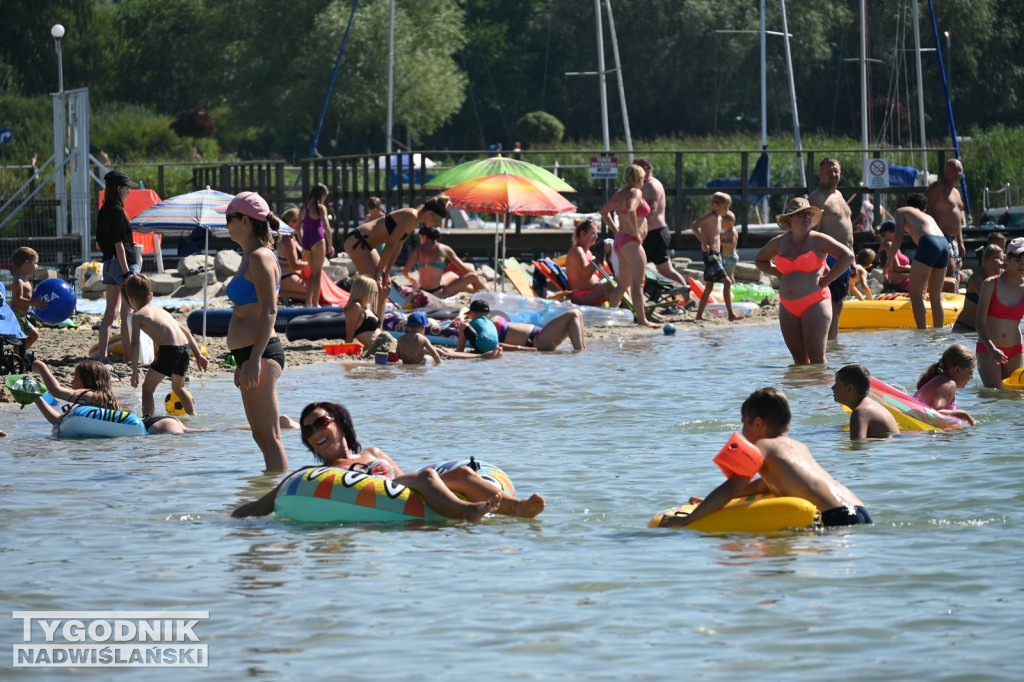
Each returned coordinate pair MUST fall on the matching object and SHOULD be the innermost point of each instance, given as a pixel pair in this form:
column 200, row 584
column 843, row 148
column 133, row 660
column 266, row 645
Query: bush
column 539, row 129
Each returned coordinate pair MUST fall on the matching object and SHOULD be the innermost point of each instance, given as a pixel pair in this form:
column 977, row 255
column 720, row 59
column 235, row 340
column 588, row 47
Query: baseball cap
column 417, row 319
column 247, row 203
column 116, row 178
column 479, row 306
column 887, row 226
column 1014, row 248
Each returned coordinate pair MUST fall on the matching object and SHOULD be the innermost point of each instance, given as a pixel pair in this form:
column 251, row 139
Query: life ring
column 330, row 495
column 86, row 421
column 759, row 514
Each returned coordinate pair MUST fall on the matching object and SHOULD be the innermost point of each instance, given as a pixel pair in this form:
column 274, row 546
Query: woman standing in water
column 259, row 356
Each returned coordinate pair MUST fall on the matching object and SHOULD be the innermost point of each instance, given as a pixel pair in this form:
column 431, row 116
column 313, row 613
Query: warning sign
column 877, row 173
column 604, row 167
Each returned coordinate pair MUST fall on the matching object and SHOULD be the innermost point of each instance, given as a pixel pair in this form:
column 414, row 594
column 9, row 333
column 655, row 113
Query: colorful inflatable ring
column 331, row 495
column 86, row 421
column 763, row 514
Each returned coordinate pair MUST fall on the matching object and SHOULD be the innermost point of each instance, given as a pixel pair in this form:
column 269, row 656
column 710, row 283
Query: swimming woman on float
column 258, row 353
column 799, row 263
column 391, row 230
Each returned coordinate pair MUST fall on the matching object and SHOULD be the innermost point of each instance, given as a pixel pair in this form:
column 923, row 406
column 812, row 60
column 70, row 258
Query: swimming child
column 785, row 465
column 25, row 261
column 172, row 339
column 91, row 385
column 413, row 346
column 709, row 233
column 868, row 418
column 859, row 286
column 1000, row 310
column 937, row 385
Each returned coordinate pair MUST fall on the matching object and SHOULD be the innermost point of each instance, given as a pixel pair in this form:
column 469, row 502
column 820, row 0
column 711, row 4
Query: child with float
column 868, row 418
column 937, row 386
column 174, row 342
column 90, row 385
column 765, row 459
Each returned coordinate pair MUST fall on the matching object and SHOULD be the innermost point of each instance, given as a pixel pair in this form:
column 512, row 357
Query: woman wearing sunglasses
column 328, row 432
column 259, row 356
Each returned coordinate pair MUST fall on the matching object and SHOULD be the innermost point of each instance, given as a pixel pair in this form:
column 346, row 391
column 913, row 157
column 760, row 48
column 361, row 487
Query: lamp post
column 57, row 31
column 949, row 65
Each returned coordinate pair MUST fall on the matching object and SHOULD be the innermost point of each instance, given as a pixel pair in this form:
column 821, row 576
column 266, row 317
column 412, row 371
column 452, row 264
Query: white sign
column 604, row 167
column 110, row 639
column 877, row 173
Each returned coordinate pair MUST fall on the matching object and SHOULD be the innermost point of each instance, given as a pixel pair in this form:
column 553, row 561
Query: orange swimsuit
column 805, row 262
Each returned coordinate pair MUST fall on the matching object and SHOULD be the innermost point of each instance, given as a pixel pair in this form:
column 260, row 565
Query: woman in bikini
column 258, row 354
column 629, row 203
column 429, row 260
column 316, row 240
column 363, row 314
column 1000, row 310
column 391, row 230
column 799, row 261
column 289, row 255
column 587, row 285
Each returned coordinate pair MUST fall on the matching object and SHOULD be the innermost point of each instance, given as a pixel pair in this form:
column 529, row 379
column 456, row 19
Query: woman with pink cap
column 259, row 356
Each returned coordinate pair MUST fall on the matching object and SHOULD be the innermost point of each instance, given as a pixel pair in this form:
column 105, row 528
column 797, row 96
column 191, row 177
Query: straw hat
column 797, row 205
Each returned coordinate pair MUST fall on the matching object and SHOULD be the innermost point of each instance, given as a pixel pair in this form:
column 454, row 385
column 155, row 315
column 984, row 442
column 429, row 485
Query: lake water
column 932, row 591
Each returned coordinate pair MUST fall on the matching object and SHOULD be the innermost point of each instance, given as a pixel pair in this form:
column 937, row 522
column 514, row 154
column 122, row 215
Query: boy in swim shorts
column 868, row 419
column 173, row 340
column 785, row 465
column 709, row 231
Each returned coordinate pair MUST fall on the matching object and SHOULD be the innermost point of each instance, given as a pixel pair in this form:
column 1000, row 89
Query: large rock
column 748, row 272
column 196, row 281
column 226, row 263
column 164, row 284
column 337, row 271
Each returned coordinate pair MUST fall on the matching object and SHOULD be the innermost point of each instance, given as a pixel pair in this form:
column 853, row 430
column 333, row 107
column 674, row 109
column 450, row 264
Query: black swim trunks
column 840, row 287
column 714, row 269
column 845, row 516
column 274, row 351
column 656, row 245
column 171, row 360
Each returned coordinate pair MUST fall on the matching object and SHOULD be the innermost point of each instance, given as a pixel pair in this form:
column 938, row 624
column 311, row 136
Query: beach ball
column 173, row 404
column 60, row 300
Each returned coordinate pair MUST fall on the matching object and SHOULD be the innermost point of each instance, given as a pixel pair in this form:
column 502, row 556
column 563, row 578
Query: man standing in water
column 658, row 235
column 947, row 207
column 836, row 223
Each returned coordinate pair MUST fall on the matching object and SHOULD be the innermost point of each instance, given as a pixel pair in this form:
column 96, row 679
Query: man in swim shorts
column 785, row 465
column 659, row 238
column 928, row 269
column 836, row 222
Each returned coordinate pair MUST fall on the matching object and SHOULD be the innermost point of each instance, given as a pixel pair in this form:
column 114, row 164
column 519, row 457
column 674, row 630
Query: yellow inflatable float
column 890, row 311
column 761, row 514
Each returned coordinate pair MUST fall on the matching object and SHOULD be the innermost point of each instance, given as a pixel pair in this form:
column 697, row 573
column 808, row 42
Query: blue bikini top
column 241, row 291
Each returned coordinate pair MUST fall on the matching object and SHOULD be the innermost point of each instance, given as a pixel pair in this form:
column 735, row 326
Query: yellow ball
column 173, row 404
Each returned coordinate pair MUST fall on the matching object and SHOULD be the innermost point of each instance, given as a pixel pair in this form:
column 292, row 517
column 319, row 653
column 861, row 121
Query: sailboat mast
column 764, row 102
column 601, row 76
column 792, row 98
column 920, row 93
column 864, row 87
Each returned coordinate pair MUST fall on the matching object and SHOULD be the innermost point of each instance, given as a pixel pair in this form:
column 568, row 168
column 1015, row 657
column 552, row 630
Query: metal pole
column 601, row 75
column 792, row 98
column 391, row 73
column 618, row 74
column 920, row 93
column 764, row 103
column 864, row 88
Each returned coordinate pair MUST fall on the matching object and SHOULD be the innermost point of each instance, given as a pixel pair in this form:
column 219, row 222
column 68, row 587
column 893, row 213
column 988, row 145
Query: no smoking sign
column 877, row 173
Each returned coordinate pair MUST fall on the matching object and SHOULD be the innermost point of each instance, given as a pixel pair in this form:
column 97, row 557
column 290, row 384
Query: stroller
column 11, row 338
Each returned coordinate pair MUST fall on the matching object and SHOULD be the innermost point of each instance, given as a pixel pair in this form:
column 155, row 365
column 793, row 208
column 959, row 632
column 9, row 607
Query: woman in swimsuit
column 991, row 265
column 586, row 285
column 429, row 260
column 289, row 255
column 937, row 385
column 530, row 337
column 1000, row 310
column 363, row 313
column 391, row 230
column 258, row 353
column 799, row 259
column 629, row 203
column 316, row 240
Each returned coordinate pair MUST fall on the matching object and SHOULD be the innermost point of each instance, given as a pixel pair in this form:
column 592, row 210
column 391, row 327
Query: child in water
column 868, row 418
column 937, row 386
